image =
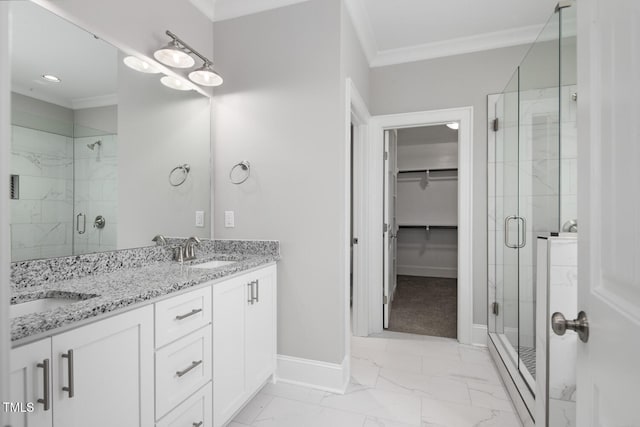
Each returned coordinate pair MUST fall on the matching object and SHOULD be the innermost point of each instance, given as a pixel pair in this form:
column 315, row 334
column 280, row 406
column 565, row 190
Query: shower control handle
column 560, row 324
column 99, row 222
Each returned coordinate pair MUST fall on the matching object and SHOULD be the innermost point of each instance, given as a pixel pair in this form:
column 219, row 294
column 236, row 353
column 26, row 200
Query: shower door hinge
column 385, row 300
column 495, row 308
column 496, row 125
column 385, row 228
column 386, row 155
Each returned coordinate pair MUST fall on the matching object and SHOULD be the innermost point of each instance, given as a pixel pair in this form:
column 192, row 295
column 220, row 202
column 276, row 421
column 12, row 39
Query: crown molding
column 220, row 10
column 364, row 30
column 458, row 46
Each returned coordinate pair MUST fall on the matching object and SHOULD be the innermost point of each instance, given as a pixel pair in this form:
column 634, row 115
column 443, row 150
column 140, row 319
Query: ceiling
column 43, row 43
column 397, row 31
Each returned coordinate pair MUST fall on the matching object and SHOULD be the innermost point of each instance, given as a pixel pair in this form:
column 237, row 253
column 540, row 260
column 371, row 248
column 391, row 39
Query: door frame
column 373, row 175
column 357, row 114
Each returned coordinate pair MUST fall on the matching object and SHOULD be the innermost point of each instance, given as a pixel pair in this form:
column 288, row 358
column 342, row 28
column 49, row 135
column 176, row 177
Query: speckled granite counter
column 120, row 286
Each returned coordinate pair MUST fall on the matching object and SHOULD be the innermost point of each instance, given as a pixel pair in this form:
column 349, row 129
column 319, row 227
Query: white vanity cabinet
column 103, row 372
column 244, row 339
column 100, row 375
column 30, row 381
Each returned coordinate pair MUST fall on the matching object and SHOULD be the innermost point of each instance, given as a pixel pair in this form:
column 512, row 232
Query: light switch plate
column 199, row 218
column 229, row 219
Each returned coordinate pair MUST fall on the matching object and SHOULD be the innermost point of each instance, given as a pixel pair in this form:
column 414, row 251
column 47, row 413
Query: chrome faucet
column 187, row 251
column 160, row 240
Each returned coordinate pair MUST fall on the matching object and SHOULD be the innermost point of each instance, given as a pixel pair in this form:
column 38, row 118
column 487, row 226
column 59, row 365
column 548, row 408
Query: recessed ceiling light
column 51, row 78
column 453, row 125
column 140, row 65
column 175, row 83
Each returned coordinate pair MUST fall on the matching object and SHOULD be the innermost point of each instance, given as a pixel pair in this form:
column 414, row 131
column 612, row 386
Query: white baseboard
column 324, row 376
column 425, row 271
column 479, row 335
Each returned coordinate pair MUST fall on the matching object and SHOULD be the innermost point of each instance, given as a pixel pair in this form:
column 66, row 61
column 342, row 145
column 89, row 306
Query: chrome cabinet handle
column 198, row 424
column 69, row 356
column 253, row 292
column 191, row 313
column 257, row 282
column 46, row 400
column 184, row 371
column 250, row 292
column 506, row 231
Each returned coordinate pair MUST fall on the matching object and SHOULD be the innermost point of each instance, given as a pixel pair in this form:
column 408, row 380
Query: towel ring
column 176, row 179
column 246, row 168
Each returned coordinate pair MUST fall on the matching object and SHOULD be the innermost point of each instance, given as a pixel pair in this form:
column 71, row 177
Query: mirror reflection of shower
column 93, row 146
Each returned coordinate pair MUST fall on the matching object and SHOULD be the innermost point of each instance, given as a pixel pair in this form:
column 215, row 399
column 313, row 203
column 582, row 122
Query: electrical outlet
column 229, row 219
column 199, row 218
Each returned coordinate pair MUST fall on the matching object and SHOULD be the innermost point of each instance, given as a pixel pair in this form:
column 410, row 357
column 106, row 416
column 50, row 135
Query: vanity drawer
column 195, row 411
column 181, row 315
column 182, row 367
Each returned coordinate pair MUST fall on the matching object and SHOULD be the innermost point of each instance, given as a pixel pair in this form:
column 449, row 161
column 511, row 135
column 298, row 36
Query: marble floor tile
column 292, row 413
column 421, row 385
column 392, row 360
column 364, row 372
column 294, row 392
column 490, row 396
column 436, row 413
column 251, row 411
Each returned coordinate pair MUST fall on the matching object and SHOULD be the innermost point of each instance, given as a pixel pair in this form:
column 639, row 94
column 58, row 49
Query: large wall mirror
column 93, row 143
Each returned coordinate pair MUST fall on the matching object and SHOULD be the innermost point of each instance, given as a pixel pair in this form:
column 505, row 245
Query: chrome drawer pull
column 46, row 400
column 191, row 313
column 184, row 371
column 250, row 291
column 69, row 356
column 198, row 424
column 257, row 290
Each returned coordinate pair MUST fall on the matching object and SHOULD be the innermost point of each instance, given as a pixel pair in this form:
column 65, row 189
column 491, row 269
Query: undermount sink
column 43, row 304
column 212, row 264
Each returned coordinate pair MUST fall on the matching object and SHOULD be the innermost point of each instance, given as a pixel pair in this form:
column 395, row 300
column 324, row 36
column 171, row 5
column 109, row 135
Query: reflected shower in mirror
column 92, row 144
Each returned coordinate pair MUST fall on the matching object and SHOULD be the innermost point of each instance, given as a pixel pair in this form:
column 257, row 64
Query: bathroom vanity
column 162, row 343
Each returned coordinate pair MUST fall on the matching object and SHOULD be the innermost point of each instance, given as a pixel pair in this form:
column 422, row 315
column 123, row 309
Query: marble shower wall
column 96, row 192
column 41, row 219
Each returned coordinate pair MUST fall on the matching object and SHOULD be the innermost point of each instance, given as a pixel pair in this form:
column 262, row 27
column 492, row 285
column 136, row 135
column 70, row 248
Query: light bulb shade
column 453, row 125
column 205, row 76
column 175, row 83
column 141, row 65
column 174, row 56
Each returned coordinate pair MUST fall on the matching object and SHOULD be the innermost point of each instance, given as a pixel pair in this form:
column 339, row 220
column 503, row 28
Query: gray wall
column 158, row 129
column 36, row 114
column 449, row 82
column 99, row 118
column 353, row 61
column 281, row 108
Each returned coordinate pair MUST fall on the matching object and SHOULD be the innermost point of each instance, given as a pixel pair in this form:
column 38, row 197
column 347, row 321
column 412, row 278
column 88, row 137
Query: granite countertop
column 109, row 292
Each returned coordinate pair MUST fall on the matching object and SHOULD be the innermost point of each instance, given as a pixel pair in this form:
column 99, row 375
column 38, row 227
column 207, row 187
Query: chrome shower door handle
column 84, row 223
column 507, row 220
column 524, row 232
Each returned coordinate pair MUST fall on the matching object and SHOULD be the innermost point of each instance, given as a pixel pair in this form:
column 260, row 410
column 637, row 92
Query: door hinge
column 385, row 300
column 385, row 228
column 355, row 240
column 496, row 125
column 495, row 308
column 386, row 155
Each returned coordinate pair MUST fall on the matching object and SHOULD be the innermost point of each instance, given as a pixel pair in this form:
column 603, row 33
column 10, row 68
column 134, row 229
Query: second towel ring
column 246, row 168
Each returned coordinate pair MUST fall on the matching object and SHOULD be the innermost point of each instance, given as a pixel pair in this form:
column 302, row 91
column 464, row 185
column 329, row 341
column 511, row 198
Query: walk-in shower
column 532, row 174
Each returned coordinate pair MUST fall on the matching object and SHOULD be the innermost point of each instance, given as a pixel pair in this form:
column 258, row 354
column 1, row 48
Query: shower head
column 93, row 145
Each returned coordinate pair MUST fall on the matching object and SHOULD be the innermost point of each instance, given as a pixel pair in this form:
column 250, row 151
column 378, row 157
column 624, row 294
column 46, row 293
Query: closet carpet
column 425, row 306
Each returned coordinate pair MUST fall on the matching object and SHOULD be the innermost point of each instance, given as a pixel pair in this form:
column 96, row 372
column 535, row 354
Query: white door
column 608, row 377
column 390, row 226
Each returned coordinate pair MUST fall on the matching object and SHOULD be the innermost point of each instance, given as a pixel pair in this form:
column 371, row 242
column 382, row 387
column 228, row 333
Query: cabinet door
column 110, row 373
column 260, row 335
column 229, row 301
column 27, row 385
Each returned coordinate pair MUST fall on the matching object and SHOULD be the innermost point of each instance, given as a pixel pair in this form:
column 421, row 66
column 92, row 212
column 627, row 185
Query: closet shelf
column 429, row 227
column 428, row 170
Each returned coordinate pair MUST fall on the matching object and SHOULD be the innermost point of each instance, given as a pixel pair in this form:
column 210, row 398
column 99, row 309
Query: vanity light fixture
column 175, row 83
column 51, row 78
column 453, row 125
column 140, row 65
column 177, row 54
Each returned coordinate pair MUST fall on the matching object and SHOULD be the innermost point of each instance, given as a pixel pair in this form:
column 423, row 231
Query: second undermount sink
column 44, row 304
column 212, row 264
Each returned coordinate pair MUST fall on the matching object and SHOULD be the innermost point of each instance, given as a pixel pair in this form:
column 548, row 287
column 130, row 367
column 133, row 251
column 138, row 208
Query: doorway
column 421, row 229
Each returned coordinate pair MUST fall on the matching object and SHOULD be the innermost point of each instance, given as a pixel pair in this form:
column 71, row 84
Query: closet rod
column 428, row 170
column 431, row 227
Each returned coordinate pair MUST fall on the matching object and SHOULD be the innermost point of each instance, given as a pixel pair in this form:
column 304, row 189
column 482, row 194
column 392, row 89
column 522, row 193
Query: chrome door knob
column 580, row 325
